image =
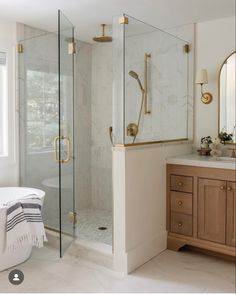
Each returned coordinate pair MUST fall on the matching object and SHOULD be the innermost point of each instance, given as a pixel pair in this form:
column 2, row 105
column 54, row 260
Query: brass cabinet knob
column 229, row 188
column 222, row 187
column 180, row 183
column 180, row 203
column 180, row 224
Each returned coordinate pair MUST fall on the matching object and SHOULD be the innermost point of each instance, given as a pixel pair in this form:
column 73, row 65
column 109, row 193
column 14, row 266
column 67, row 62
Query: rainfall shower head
column 134, row 75
column 103, row 37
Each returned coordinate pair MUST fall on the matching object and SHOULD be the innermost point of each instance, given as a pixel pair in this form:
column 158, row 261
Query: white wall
column 9, row 163
column 215, row 40
column 140, row 202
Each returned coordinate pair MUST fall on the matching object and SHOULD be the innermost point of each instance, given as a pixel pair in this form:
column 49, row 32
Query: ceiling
column 87, row 15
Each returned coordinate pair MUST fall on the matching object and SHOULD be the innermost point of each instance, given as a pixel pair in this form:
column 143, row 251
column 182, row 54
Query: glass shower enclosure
column 151, row 87
column 46, row 94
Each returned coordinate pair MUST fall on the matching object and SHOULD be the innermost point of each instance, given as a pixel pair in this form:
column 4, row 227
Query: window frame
column 10, row 127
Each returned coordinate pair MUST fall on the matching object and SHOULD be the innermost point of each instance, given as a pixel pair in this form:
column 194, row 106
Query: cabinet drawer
column 181, row 183
column 181, row 202
column 181, row 224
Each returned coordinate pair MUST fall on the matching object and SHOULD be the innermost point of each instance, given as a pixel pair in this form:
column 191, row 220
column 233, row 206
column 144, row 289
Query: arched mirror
column 227, row 100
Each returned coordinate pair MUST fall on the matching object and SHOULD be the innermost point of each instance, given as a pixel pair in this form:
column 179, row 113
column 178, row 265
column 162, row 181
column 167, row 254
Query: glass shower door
column 64, row 144
column 46, row 92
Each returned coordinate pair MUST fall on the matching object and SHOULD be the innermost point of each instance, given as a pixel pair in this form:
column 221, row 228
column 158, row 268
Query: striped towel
column 24, row 224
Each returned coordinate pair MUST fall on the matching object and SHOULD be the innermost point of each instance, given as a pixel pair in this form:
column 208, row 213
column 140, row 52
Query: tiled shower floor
column 87, row 227
column 88, row 223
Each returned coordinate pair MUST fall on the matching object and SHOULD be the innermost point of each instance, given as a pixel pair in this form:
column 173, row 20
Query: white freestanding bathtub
column 20, row 255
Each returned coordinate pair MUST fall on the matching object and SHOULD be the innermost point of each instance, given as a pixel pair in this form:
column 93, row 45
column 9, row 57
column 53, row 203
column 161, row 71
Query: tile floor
column 88, row 222
column 168, row 272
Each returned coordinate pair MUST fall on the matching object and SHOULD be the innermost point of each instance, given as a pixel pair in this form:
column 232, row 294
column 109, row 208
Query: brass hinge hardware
column 186, row 48
column 71, row 48
column 72, row 217
column 19, row 48
column 123, row 20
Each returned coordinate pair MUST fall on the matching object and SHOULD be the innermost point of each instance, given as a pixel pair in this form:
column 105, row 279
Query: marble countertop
column 203, row 161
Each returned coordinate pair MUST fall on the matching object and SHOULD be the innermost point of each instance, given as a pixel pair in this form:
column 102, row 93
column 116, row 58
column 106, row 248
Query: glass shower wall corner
column 150, row 84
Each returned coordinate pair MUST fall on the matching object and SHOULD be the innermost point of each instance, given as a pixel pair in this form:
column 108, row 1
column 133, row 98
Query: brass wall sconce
column 201, row 79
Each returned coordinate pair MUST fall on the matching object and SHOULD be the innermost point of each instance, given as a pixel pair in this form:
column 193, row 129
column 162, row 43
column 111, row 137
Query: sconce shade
column 201, row 77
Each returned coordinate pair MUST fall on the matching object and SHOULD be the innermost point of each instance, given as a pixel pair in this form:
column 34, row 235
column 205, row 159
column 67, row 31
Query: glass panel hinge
column 71, row 48
column 72, row 217
column 123, row 20
column 19, row 48
column 186, row 48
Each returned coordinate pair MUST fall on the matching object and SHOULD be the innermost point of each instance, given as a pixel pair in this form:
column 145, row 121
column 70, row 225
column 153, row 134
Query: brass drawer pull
column 229, row 188
column 222, row 187
column 180, row 183
column 180, row 224
column 180, row 203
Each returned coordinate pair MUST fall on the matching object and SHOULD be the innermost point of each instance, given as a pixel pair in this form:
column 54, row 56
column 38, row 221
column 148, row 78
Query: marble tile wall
column 101, row 119
column 83, row 76
column 167, row 97
column 170, row 82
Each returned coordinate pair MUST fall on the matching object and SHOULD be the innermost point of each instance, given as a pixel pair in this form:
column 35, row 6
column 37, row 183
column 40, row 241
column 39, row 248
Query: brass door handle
column 56, row 153
column 67, row 139
column 56, row 140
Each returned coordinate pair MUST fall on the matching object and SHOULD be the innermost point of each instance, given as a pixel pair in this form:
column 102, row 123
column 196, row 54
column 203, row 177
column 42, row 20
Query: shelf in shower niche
column 53, row 182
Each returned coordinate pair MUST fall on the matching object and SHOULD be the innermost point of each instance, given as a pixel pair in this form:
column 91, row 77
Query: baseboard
column 146, row 251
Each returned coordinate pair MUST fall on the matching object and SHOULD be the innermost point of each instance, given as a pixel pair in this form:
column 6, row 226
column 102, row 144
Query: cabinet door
column 231, row 214
column 212, row 210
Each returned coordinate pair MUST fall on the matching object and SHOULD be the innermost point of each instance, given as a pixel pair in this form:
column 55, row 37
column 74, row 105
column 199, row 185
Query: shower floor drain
column 102, row 228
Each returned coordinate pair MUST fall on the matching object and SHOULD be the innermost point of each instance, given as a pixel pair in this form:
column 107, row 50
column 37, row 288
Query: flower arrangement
column 206, row 141
column 225, row 137
column 216, row 146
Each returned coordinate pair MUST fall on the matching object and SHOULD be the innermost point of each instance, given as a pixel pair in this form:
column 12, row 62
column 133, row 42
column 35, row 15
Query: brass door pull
column 56, row 153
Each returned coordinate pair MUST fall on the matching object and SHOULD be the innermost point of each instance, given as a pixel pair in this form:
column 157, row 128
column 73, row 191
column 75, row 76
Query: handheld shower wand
column 136, row 77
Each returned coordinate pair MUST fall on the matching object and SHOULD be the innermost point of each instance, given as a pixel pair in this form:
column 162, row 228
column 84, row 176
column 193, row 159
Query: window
column 42, row 110
column 3, row 104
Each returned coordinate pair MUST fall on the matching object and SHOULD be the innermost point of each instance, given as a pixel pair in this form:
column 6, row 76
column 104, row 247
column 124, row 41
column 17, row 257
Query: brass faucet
column 233, row 154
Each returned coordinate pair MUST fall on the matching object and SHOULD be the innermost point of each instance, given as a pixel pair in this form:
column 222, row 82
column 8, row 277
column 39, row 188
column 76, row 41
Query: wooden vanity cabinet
column 201, row 208
column 231, row 214
column 212, row 210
